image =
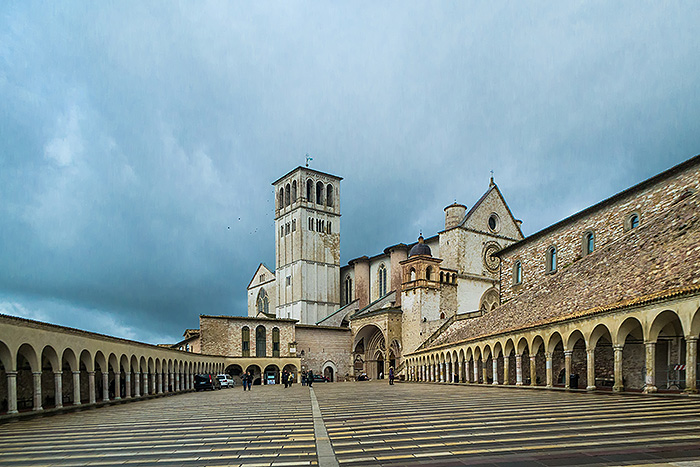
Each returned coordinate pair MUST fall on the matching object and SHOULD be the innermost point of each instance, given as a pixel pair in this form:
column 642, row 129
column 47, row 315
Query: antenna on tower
column 491, row 182
column 308, row 158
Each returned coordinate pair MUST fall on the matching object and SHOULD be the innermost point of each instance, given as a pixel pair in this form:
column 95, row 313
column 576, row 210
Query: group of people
column 247, row 379
column 287, row 378
column 307, row 378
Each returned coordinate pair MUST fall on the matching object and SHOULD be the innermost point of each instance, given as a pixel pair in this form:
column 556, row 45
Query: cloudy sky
column 138, row 140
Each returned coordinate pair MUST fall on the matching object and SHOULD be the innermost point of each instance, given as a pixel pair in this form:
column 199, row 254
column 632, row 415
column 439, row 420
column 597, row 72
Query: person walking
column 285, row 379
column 303, row 378
column 309, row 378
column 391, row 375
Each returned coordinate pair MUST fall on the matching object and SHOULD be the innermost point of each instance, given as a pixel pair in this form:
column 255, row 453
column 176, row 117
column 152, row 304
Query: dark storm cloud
column 138, row 142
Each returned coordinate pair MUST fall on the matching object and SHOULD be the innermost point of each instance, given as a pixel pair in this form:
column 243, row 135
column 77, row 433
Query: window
column 588, row 243
column 309, row 190
column 328, row 227
column 294, row 191
column 260, row 341
column 281, row 231
column 286, row 228
column 280, row 204
column 551, row 259
column 329, row 195
column 245, row 341
column 382, row 280
column 348, row 290
column 289, row 280
column 632, row 221
column 413, row 274
column 442, row 315
column 517, row 273
column 263, row 302
column 287, row 195
column 311, row 224
column 319, row 193
column 323, row 227
column 275, row 342
column 294, row 225
column 493, row 222
column 428, row 273
column 262, row 277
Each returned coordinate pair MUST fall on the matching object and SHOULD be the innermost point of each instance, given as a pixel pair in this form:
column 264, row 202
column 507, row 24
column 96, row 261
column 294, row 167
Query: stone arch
column 695, row 323
column 271, row 374
column 490, row 300
column 555, row 352
column 329, row 370
column 28, row 365
column 51, row 391
column 629, row 340
column 600, row 365
column 661, row 321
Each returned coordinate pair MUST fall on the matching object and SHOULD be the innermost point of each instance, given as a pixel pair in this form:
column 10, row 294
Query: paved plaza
column 367, row 423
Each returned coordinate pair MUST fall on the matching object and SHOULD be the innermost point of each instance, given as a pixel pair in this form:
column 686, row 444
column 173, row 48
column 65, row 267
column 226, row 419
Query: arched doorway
column 329, row 371
column 369, row 345
column 272, row 375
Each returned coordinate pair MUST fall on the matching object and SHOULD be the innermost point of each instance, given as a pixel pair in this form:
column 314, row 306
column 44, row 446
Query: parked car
column 226, row 381
column 363, row 377
column 202, row 382
column 320, row 379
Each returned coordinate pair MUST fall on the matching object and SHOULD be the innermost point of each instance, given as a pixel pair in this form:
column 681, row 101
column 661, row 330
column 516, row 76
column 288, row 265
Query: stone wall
column 321, row 345
column 222, row 335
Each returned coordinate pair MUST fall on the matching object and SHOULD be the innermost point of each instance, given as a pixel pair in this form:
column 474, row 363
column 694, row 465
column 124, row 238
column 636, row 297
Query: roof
column 378, row 304
column 249, row 318
column 261, row 266
column 606, row 202
column 492, row 187
column 612, row 277
column 318, row 172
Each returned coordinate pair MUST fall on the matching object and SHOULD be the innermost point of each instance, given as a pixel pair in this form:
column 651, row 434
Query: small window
column 319, row 193
column 382, row 280
column 294, row 191
column 262, row 277
column 289, row 280
column 551, row 259
column 442, row 315
column 328, row 227
column 287, row 195
column 493, row 222
column 294, row 225
column 286, row 228
column 429, row 273
column 281, row 231
column 413, row 274
column 310, row 191
column 348, row 290
column 311, row 224
column 588, row 243
column 517, row 273
column 275, row 342
column 280, row 204
column 632, row 221
column 329, row 195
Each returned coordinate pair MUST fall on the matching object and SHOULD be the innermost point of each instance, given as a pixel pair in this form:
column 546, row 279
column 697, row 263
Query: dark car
column 202, row 382
column 320, row 379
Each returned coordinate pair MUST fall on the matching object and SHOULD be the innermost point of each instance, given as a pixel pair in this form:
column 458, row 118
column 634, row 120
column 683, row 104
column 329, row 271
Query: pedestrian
column 290, row 378
column 303, row 378
column 285, row 379
column 391, row 375
column 309, row 378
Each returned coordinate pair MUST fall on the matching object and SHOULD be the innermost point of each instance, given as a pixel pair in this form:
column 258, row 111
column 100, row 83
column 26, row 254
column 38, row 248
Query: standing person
column 285, row 379
column 303, row 378
column 290, row 378
column 244, row 380
column 309, row 378
column 391, row 375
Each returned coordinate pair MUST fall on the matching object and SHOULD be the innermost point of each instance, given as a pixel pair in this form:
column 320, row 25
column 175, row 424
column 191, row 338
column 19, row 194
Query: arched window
column 382, row 280
column 413, row 274
column 442, row 315
column 294, row 225
column 328, row 227
column 517, row 273
column 551, row 259
column 588, row 243
column 309, row 190
column 442, row 276
column 319, row 193
column 287, row 195
column 263, row 302
column 634, row 221
column 311, row 224
column 245, row 341
column 428, row 273
column 260, row 341
column 275, row 342
column 329, row 195
column 280, row 204
column 348, row 290
column 294, row 191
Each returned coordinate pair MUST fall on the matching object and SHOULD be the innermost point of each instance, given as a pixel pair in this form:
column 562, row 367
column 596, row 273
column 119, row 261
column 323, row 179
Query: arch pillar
column 117, row 386
column 145, row 383
column 484, row 371
column 76, row 388
column 152, row 380
column 171, row 378
column 127, row 384
column 105, row 385
column 137, row 384
column 549, row 382
column 506, row 369
column 590, row 369
column 191, row 381
column 567, row 368
column 11, row 391
column 460, row 371
column 159, row 379
column 37, row 390
column 691, row 353
column 619, row 385
column 91, row 386
column 533, row 370
column 58, row 385
column 650, row 360
column 518, row 370
column 177, row 382
column 476, row 371
column 494, row 364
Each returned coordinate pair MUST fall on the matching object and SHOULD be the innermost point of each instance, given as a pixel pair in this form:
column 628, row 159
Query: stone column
column 58, row 385
column 441, row 367
column 550, row 379
column 567, row 368
column 137, row 384
column 91, row 386
column 533, row 370
column 460, row 369
column 171, row 377
column 145, row 383
column 105, row 386
column 494, row 362
column 484, row 372
column 590, row 369
column 11, row 392
column 650, row 360
column 619, row 385
column 691, row 361
column 117, row 386
column 37, row 390
column 191, row 381
column 127, row 384
column 159, row 379
column 76, row 387
column 518, row 370
column 476, row 371
column 506, row 369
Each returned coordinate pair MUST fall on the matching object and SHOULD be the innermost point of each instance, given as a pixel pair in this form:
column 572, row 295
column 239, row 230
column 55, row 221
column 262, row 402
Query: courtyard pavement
column 366, row 423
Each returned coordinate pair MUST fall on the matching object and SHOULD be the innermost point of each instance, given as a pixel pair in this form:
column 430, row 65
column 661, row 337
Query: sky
column 139, row 140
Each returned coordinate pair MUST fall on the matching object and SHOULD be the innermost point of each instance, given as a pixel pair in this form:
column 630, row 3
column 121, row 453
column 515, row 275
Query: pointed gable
column 493, row 203
column 262, row 276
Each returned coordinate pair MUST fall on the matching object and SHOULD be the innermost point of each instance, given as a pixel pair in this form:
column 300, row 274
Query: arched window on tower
column 429, row 273
column 260, row 341
column 280, row 202
column 275, row 342
column 382, row 280
column 348, row 290
column 287, row 195
column 294, row 191
column 329, row 195
column 263, row 302
column 310, row 191
column 413, row 274
column 319, row 193
column 245, row 341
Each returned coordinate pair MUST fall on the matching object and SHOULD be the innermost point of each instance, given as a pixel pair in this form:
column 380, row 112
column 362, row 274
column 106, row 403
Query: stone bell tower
column 307, row 245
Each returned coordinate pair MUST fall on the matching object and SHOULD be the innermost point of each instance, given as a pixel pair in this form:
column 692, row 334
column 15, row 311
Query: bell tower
column 307, row 245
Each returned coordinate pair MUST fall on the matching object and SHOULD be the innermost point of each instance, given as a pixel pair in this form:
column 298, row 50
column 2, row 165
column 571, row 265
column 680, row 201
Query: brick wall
column 222, row 335
column 323, row 344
